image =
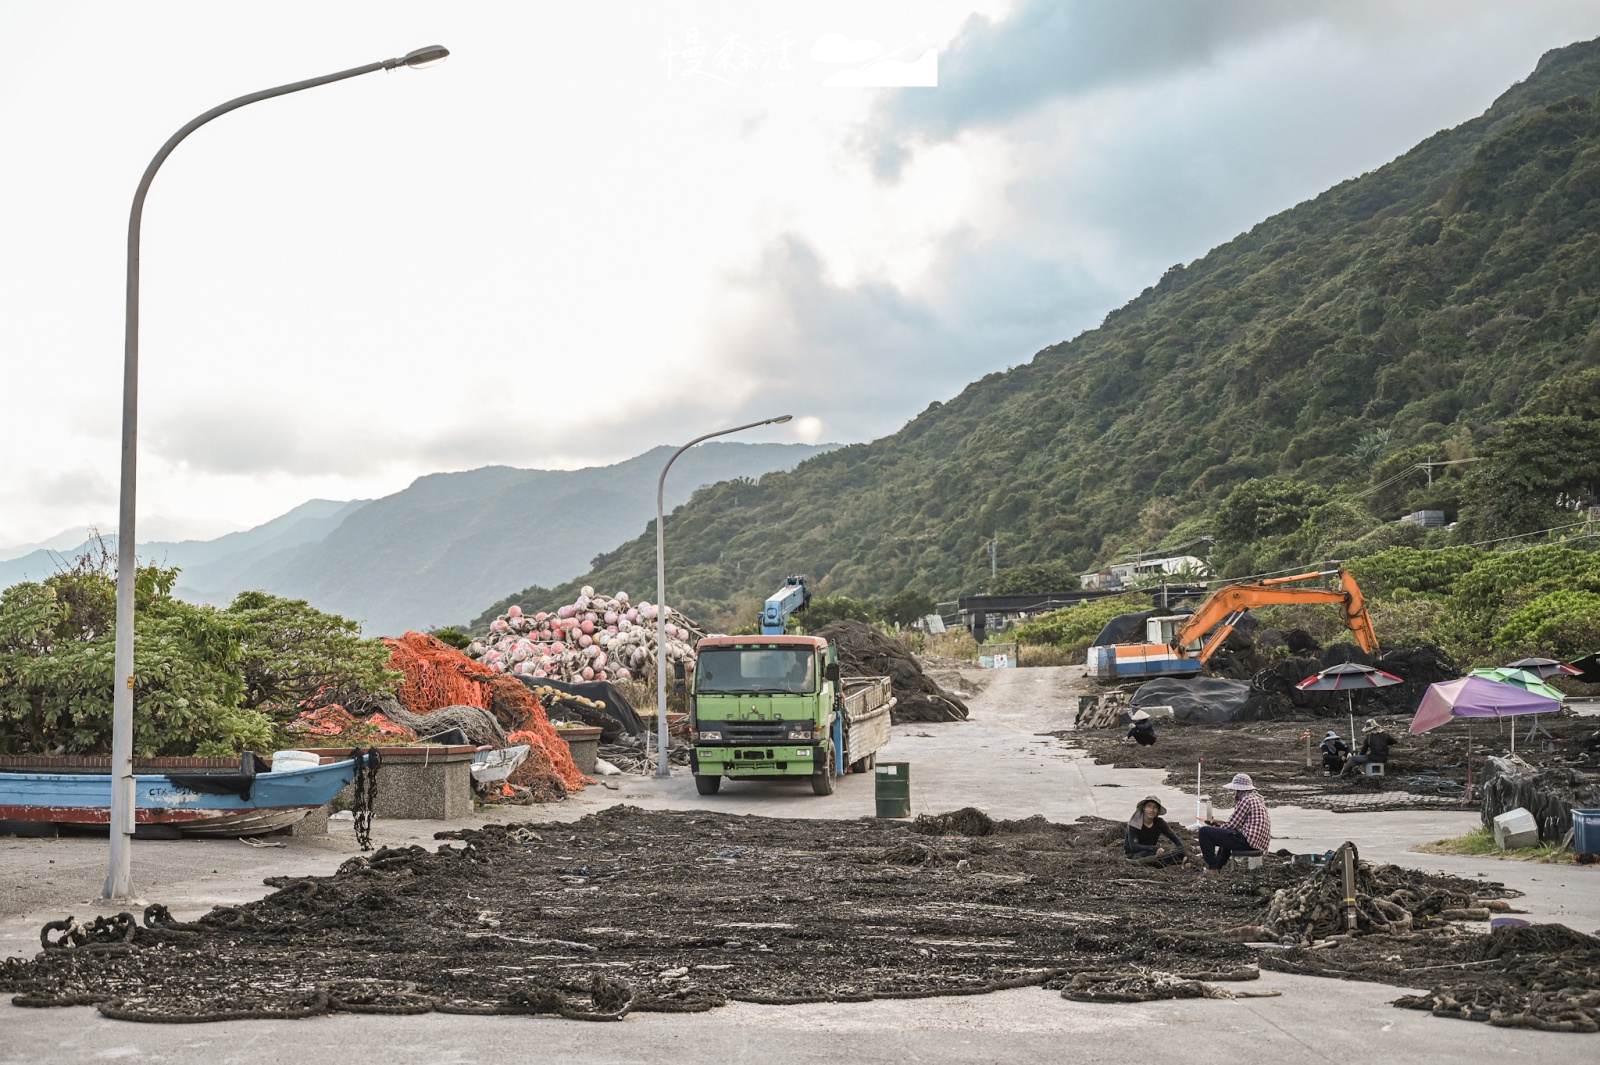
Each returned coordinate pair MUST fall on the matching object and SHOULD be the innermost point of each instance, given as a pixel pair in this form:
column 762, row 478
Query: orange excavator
column 1181, row 645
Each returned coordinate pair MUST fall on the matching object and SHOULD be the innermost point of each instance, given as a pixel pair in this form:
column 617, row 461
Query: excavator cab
column 1162, row 630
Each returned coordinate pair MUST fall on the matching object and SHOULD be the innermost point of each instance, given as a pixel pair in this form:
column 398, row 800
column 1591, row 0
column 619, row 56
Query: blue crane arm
column 789, row 599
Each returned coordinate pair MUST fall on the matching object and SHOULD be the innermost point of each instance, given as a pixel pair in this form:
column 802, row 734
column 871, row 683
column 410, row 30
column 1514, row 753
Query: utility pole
column 994, row 545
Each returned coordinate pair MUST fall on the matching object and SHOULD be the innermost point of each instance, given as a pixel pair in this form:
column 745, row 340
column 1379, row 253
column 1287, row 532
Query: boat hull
column 276, row 800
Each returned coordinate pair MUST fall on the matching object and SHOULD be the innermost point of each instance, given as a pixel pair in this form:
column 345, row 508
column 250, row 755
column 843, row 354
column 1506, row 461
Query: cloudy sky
column 599, row 227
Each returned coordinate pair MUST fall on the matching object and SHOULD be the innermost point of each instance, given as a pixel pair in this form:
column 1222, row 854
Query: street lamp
column 662, row 770
column 118, row 880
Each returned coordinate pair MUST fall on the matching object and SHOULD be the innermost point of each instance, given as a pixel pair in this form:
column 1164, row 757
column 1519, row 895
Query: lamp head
column 432, row 55
column 782, row 418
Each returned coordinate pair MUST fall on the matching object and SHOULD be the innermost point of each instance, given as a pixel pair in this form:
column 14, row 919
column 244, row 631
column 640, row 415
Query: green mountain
column 1400, row 316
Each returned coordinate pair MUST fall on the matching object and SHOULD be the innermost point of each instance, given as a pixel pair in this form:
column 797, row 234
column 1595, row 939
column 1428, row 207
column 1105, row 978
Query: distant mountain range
column 439, row 551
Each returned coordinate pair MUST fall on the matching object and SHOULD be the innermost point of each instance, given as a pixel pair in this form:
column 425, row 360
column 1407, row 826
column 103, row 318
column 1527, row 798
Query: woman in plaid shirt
column 1249, row 829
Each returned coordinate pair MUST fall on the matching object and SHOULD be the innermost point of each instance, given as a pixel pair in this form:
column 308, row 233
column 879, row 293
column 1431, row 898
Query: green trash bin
column 892, row 789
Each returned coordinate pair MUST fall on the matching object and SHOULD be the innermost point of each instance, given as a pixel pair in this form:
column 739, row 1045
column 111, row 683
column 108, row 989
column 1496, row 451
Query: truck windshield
column 738, row 671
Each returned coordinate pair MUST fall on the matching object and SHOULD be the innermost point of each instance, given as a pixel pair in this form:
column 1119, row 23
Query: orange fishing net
column 437, row 675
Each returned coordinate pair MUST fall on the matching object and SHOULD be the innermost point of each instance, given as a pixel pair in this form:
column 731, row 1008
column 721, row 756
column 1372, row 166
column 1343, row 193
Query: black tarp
column 1197, row 700
column 1129, row 628
column 617, row 708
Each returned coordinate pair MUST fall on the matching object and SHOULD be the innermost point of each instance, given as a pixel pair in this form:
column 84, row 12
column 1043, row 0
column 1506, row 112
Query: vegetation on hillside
column 1278, row 393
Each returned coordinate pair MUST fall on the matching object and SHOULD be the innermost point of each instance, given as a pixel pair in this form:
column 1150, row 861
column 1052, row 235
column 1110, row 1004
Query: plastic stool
column 1373, row 769
column 1252, row 859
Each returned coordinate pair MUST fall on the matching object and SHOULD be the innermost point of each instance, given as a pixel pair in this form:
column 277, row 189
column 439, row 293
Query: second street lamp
column 118, row 877
column 662, row 769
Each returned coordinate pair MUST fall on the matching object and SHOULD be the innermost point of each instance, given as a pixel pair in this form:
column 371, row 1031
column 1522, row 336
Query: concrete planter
column 584, row 743
column 418, row 783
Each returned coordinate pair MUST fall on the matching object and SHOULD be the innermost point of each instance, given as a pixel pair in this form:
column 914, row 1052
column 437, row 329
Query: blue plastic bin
column 1586, row 831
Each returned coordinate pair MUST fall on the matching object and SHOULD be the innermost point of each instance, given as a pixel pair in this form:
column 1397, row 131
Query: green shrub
column 1560, row 625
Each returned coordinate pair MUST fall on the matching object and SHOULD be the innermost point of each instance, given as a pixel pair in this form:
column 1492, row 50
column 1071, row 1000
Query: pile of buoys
column 595, row 637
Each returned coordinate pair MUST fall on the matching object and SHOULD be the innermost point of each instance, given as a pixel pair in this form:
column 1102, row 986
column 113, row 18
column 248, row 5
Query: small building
column 1124, row 574
column 1428, row 519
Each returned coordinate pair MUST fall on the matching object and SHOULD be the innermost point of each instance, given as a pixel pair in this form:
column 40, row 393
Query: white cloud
column 837, row 48
column 919, row 73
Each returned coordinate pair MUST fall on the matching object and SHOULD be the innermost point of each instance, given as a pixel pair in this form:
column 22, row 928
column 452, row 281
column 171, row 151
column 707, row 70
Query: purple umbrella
column 1472, row 697
column 1346, row 677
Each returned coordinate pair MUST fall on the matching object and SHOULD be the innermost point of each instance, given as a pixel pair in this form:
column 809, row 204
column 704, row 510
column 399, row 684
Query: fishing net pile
column 1274, row 695
column 630, row 910
column 1424, row 772
column 439, row 678
column 1388, row 899
column 1549, row 793
column 593, row 638
column 866, row 652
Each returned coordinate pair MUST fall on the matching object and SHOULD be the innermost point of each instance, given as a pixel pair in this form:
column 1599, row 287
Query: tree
column 57, row 663
column 290, row 651
column 1533, row 473
column 1034, row 577
column 1263, row 507
column 907, row 606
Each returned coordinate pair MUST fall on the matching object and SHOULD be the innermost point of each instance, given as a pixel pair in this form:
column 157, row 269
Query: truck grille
column 751, row 732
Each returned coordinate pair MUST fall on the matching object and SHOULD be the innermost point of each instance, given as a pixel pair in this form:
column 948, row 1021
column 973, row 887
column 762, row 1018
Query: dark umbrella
column 1587, row 667
column 1543, row 667
column 1347, row 677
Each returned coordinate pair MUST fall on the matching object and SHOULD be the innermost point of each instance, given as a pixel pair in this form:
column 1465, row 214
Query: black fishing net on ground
column 1548, row 793
column 866, row 652
column 628, row 910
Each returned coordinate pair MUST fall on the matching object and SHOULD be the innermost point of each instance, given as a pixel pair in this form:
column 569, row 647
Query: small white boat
column 491, row 767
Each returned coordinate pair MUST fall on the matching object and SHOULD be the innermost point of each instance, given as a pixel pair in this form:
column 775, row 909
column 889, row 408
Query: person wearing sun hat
column 1334, row 751
column 1147, row 826
column 1143, row 731
column 1249, row 829
column 1374, row 747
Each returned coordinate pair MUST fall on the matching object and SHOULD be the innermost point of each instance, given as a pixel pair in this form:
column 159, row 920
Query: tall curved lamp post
column 662, row 769
column 118, row 879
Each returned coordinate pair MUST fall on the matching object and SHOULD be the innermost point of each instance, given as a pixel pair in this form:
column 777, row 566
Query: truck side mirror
column 831, row 671
column 677, row 676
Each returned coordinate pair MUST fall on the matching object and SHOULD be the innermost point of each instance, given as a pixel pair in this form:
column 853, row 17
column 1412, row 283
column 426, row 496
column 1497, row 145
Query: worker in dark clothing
column 1334, row 752
column 1374, row 748
column 1145, row 830
column 1143, row 731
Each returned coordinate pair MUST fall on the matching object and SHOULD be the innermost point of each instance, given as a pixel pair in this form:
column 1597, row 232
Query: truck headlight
column 800, row 734
column 709, row 737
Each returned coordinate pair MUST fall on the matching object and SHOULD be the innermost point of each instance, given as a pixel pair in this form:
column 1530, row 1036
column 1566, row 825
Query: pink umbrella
column 1471, row 697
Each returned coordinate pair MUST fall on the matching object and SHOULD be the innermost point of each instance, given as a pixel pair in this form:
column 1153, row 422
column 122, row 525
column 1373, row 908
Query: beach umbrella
column 1477, row 696
column 1527, row 681
column 1347, row 677
column 1543, row 667
column 1519, row 678
column 1587, row 668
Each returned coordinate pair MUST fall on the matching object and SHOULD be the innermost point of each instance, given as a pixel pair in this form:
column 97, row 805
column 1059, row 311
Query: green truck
column 773, row 706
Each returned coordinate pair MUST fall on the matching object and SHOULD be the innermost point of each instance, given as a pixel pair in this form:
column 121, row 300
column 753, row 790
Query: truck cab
column 765, row 706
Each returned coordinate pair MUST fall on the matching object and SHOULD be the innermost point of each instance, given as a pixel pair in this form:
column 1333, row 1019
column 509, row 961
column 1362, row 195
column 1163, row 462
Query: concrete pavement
column 1001, row 761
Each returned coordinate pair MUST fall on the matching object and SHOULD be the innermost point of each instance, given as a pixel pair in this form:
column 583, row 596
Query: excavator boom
column 1222, row 609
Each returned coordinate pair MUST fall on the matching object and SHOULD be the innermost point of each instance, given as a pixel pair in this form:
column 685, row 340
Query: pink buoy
column 513, row 611
column 585, row 640
column 588, row 627
column 588, row 674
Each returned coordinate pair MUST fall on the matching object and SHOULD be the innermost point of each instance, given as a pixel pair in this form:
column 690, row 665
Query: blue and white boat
column 176, row 798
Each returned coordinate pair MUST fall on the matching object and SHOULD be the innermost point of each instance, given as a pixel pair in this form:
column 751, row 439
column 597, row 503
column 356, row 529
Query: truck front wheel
column 822, row 779
column 707, row 785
